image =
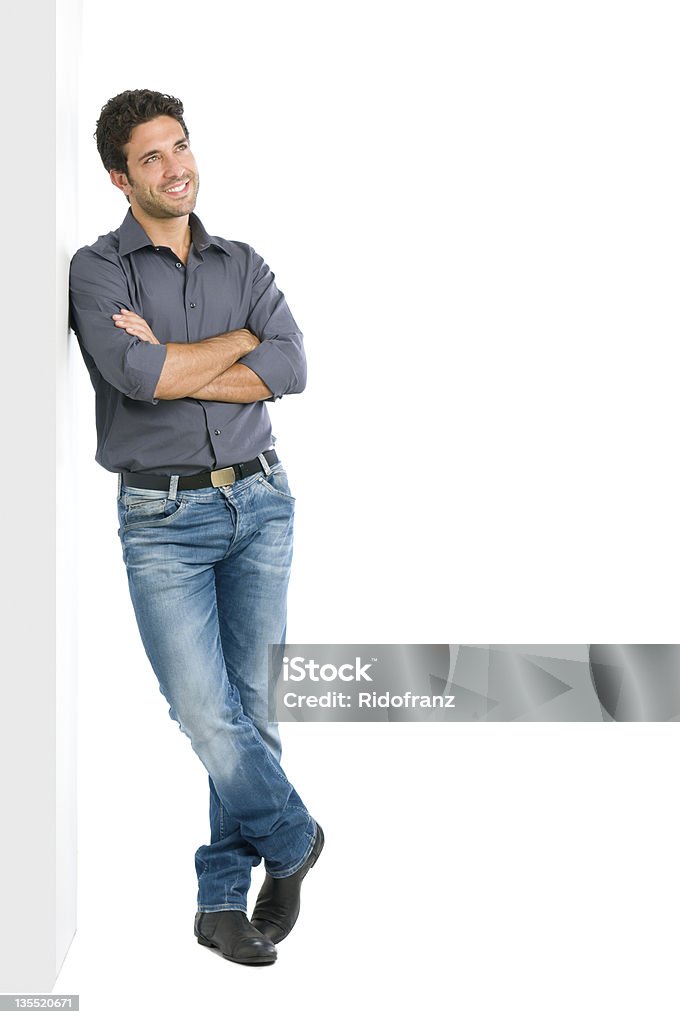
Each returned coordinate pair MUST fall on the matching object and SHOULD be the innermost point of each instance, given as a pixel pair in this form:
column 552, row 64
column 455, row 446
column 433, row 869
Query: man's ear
column 120, row 180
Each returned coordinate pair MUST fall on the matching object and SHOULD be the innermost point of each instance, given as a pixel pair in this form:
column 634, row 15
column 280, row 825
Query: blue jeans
column 208, row 574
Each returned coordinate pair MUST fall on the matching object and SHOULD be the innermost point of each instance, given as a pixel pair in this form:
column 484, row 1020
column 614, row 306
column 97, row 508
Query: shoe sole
column 307, row 867
column 253, row 962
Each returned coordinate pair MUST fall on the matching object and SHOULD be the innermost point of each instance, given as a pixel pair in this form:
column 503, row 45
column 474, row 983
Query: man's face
column 162, row 177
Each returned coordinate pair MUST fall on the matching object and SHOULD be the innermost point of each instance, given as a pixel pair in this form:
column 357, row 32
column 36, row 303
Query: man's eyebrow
column 152, row 152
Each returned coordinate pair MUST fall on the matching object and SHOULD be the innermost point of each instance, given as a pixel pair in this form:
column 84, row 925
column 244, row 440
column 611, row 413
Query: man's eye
column 149, row 159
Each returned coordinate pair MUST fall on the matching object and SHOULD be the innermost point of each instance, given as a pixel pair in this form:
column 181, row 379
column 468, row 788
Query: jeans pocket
column 143, row 510
column 277, row 483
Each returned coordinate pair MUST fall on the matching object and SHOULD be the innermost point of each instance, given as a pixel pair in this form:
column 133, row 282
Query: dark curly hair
column 123, row 113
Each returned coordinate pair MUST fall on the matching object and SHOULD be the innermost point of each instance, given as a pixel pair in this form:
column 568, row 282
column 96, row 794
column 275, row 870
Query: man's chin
column 182, row 209
column 184, row 203
column 174, row 209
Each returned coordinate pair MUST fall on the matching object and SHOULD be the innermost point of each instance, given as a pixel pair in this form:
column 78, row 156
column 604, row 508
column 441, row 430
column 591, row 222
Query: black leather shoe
column 278, row 902
column 234, row 937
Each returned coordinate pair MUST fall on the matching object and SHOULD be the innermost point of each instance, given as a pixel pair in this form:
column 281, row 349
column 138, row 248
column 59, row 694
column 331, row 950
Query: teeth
column 178, row 188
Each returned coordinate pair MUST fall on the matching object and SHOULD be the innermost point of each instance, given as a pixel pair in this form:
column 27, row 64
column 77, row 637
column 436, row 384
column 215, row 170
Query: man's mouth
column 180, row 189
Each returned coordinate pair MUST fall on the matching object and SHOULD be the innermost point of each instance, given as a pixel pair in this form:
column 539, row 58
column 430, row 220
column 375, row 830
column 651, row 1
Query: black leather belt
column 211, row 478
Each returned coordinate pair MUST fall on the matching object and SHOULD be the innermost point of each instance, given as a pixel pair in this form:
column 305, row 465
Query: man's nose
column 173, row 168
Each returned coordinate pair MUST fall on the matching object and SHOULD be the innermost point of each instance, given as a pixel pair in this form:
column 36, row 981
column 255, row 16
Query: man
column 186, row 336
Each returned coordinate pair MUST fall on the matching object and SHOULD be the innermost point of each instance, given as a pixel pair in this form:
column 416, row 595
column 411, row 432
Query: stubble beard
column 153, row 205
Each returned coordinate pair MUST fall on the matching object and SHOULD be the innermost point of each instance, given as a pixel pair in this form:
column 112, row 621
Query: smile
column 178, row 190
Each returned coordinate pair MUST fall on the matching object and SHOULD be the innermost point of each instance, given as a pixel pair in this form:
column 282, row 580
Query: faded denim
column 208, row 573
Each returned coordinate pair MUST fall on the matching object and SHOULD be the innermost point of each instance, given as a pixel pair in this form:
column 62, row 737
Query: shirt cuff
column 273, row 367
column 145, row 362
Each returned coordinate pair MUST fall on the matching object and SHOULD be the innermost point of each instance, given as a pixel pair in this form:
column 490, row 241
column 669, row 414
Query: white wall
column 68, row 35
column 38, row 743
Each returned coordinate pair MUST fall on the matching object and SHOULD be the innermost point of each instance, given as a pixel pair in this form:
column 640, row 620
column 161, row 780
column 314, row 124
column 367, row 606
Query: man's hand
column 134, row 324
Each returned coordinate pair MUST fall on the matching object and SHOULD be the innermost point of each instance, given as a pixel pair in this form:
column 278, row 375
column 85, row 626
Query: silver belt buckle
column 222, row 477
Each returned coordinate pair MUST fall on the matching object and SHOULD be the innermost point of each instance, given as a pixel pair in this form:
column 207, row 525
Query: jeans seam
column 233, row 510
column 211, row 908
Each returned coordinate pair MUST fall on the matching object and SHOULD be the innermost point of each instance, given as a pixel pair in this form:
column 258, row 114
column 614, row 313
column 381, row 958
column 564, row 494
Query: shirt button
column 192, row 305
column 218, row 431
column 178, row 265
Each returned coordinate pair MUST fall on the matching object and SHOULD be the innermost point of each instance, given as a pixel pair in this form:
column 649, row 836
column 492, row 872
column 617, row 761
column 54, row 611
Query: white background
column 473, row 211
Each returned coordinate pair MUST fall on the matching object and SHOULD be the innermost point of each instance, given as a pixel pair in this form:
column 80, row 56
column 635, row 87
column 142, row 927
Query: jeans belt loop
column 172, row 493
column 120, row 486
column 265, row 465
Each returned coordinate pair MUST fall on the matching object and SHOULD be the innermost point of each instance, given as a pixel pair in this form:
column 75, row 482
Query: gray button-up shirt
column 224, row 286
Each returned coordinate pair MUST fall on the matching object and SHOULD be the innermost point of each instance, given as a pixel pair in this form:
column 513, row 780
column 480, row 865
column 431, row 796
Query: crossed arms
column 260, row 361
column 207, row 369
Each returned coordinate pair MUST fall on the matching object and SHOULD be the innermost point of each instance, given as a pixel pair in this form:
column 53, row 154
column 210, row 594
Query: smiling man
column 186, row 336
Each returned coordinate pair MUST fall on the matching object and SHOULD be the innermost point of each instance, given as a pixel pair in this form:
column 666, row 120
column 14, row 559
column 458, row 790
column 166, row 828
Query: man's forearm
column 191, row 367
column 237, row 384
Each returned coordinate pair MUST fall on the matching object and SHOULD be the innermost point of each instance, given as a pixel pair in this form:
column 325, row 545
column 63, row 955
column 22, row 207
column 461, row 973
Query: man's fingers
column 134, row 324
column 143, row 333
column 128, row 318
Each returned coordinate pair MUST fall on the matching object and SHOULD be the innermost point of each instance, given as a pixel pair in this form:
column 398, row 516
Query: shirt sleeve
column 97, row 290
column 279, row 360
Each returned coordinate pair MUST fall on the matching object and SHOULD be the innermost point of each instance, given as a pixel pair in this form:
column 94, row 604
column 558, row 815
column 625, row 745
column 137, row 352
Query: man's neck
column 173, row 232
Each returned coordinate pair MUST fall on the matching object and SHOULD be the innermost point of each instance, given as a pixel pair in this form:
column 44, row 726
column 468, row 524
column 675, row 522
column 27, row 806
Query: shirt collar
column 132, row 236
